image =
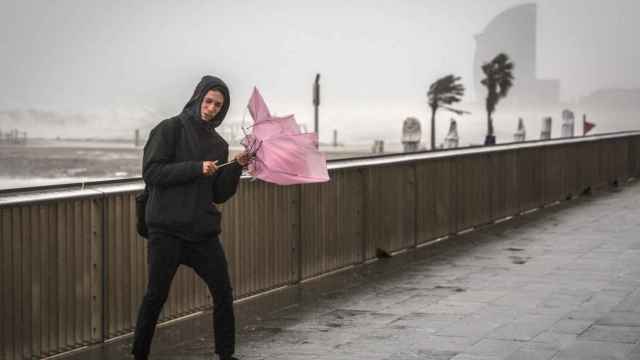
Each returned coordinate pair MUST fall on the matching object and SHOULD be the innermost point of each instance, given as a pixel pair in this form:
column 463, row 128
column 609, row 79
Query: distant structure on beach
column 452, row 140
column 377, row 147
column 545, row 133
column 137, row 141
column 514, row 32
column 411, row 134
column 13, row 137
column 568, row 123
column 521, row 133
column 335, row 142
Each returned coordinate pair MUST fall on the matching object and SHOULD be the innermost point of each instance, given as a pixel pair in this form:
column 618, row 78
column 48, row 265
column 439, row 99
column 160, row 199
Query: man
column 180, row 170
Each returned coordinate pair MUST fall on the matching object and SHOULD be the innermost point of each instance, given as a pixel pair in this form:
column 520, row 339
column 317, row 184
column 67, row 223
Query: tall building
column 514, row 32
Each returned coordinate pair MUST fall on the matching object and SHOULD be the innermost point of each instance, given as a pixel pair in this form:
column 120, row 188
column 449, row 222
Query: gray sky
column 376, row 60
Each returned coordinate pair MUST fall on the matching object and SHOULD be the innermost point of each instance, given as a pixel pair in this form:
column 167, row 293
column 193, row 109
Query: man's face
column 211, row 105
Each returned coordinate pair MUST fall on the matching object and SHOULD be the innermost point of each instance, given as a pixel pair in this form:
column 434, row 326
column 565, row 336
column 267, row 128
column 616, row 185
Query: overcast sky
column 376, row 60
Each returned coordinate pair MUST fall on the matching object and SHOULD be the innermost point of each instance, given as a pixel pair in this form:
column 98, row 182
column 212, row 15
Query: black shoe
column 140, row 357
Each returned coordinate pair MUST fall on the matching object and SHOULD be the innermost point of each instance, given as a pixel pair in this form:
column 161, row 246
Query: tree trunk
column 433, row 128
column 490, row 139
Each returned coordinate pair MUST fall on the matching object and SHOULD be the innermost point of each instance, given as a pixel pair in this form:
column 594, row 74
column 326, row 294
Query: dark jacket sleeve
column 226, row 182
column 158, row 162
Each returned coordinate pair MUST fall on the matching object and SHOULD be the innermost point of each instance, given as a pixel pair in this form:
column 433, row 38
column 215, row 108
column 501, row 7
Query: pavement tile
column 620, row 319
column 536, row 350
column 380, row 300
column 474, row 357
column 454, row 307
column 480, row 296
column 388, row 343
column 425, row 322
column 445, row 343
column 474, row 325
column 554, row 341
column 571, row 326
column 616, row 334
column 594, row 350
column 531, row 354
column 422, row 355
column 520, row 299
column 413, row 304
column 631, row 303
column 497, row 348
column 523, row 329
column 634, row 354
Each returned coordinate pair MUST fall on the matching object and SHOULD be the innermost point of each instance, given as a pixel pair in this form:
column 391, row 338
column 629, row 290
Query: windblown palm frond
column 498, row 80
column 443, row 92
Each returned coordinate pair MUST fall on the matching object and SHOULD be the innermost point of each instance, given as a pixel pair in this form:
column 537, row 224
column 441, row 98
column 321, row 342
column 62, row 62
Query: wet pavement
column 561, row 283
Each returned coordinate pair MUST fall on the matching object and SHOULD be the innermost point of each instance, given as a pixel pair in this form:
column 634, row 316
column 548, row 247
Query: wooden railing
column 73, row 270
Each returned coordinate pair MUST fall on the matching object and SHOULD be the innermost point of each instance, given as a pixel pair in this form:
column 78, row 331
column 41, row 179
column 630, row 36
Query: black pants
column 165, row 254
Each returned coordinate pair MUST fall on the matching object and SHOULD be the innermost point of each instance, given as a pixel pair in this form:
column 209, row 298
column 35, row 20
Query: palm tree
column 442, row 93
column 498, row 80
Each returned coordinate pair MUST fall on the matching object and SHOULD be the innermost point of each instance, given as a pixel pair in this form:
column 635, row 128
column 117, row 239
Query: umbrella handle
column 234, row 160
column 227, row 163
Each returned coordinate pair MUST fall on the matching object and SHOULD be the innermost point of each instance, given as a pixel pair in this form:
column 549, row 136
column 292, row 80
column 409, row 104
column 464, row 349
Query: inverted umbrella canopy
column 275, row 126
column 281, row 154
column 257, row 107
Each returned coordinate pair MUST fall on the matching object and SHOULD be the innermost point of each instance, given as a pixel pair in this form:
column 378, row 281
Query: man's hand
column 242, row 158
column 209, row 167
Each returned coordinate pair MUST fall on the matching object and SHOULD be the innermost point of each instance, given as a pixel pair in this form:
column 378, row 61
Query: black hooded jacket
column 181, row 199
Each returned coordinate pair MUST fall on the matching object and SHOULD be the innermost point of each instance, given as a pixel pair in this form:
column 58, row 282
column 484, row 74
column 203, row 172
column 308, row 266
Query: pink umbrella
column 281, row 154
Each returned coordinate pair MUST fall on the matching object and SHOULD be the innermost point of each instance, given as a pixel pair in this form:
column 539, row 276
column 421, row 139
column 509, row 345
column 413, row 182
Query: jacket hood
column 208, row 82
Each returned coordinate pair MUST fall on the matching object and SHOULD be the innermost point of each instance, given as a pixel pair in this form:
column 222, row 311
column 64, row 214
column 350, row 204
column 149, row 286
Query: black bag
column 141, row 205
column 141, row 202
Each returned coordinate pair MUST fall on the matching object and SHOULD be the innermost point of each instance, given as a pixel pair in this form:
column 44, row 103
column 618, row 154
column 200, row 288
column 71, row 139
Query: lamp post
column 316, row 105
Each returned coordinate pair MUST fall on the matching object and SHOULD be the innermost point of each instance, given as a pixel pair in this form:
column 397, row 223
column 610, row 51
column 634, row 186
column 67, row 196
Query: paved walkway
column 562, row 283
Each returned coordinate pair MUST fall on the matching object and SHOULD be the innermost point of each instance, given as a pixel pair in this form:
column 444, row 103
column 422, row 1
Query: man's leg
column 163, row 258
column 209, row 262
